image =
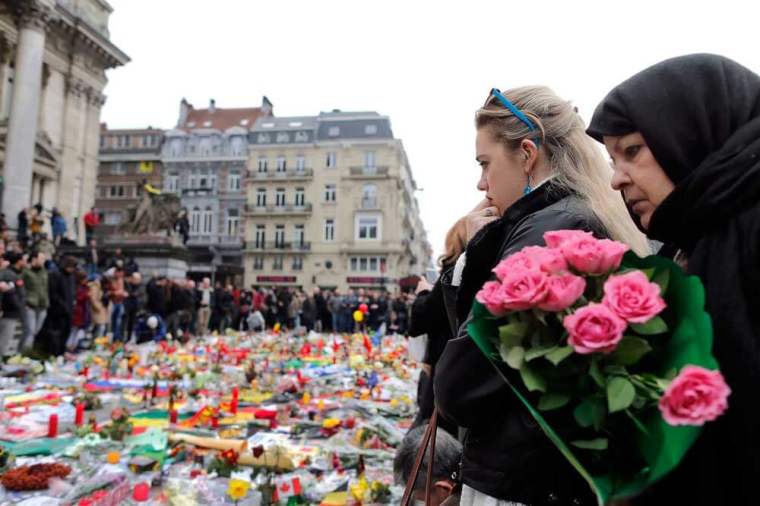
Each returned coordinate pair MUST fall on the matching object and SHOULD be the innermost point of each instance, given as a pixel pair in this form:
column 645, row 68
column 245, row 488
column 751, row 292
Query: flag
column 146, row 168
column 287, row 487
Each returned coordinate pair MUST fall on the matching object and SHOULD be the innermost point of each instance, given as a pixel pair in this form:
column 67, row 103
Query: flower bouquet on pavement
column 612, row 348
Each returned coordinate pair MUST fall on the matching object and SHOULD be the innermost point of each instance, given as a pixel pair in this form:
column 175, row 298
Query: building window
column 299, row 197
column 261, row 197
column 258, row 263
column 277, row 263
column 236, row 146
column 367, row 227
column 233, row 182
column 279, row 197
column 370, row 129
column 260, row 236
column 208, row 220
column 330, row 193
column 112, row 218
column 369, row 196
column 195, row 220
column 332, row 160
column 279, row 236
column 232, row 225
column 298, row 236
column 192, row 180
column 329, row 230
column 172, row 182
column 333, row 131
column 118, row 192
column 369, row 159
column 118, row 168
column 300, row 163
column 281, row 165
column 176, row 147
column 262, row 166
column 367, row 264
column 297, row 263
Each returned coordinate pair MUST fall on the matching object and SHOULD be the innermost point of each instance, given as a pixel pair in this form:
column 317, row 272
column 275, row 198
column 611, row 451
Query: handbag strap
column 427, row 440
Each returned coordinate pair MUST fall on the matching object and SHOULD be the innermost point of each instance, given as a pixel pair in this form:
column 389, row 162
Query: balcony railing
column 281, row 246
column 198, row 191
column 226, row 240
column 290, row 174
column 368, row 172
column 287, row 209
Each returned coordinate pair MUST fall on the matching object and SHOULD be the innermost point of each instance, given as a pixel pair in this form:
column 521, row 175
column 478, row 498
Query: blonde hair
column 575, row 162
column 455, row 244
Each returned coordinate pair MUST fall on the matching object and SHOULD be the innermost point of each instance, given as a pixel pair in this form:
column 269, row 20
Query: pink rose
column 593, row 256
column 562, row 292
column 556, row 238
column 531, row 258
column 492, row 298
column 523, row 289
column 633, row 297
column 594, row 329
column 695, row 396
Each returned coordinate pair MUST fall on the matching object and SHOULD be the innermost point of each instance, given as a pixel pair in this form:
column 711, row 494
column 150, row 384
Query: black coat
column 700, row 117
column 429, row 317
column 506, row 455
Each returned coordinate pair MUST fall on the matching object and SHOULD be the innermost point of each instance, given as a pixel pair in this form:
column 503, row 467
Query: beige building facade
column 331, row 203
column 53, row 58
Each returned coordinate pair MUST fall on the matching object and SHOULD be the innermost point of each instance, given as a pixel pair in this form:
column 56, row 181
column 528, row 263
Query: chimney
column 211, row 106
column 184, row 109
column 266, row 106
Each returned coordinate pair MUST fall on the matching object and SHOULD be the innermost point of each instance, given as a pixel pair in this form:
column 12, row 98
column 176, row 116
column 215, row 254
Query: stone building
column 205, row 161
column 331, row 204
column 53, row 57
column 128, row 159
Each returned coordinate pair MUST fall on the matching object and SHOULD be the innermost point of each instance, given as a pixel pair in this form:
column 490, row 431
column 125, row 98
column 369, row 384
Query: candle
column 53, row 425
column 79, row 418
column 173, row 416
column 215, row 422
column 234, row 403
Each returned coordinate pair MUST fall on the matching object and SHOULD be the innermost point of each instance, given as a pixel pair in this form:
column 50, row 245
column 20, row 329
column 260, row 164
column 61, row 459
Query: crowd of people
column 61, row 303
column 683, row 139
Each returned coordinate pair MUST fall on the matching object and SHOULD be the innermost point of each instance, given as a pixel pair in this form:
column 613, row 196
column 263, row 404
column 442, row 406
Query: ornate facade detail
column 35, row 14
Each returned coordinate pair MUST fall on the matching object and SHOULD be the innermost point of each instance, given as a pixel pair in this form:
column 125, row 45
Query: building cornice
column 91, row 38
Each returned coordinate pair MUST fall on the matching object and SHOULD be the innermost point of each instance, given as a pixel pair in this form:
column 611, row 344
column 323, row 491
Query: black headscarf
column 700, row 117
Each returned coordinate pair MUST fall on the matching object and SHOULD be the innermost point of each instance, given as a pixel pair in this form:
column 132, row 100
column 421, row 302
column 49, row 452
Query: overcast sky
column 427, row 65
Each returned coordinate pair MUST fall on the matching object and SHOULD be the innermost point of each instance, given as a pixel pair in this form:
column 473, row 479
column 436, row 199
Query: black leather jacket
column 506, row 455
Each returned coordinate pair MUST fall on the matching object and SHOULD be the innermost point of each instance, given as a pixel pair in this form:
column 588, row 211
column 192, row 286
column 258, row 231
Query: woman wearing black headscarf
column 684, row 137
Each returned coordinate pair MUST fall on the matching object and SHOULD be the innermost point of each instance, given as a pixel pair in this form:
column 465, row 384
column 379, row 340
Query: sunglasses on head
column 495, row 93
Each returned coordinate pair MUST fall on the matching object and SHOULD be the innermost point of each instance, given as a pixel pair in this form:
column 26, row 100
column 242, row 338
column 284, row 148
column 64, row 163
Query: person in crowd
column 13, row 299
column 117, row 294
column 118, row 259
column 684, row 138
column 429, row 317
column 91, row 221
column 58, row 224
column 323, row 314
column 80, row 316
column 45, row 246
column 23, row 227
column 178, row 322
column 150, row 328
column 91, row 257
column 35, row 278
column 308, row 312
column 294, row 310
column 256, row 322
column 350, row 301
column 37, row 221
column 445, row 469
column 158, row 299
column 98, row 310
column 136, row 300
column 205, row 298
column 334, row 305
column 539, row 172
column 61, row 290
column 182, row 226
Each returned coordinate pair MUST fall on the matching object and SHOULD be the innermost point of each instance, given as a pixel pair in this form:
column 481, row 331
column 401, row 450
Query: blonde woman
column 539, row 172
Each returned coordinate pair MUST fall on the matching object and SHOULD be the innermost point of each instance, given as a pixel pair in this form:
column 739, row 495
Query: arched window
column 195, row 220
column 208, row 219
column 369, row 196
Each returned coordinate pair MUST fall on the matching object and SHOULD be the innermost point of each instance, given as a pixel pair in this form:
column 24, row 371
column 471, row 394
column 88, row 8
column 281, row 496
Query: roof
column 271, row 123
column 222, row 119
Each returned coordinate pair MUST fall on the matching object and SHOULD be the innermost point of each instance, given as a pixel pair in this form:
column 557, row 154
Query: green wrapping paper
column 689, row 341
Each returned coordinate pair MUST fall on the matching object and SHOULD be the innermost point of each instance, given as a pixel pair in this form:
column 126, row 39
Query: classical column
column 22, row 125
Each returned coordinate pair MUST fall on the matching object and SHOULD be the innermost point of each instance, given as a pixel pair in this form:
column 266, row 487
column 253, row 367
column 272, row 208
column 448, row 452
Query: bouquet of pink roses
column 613, row 348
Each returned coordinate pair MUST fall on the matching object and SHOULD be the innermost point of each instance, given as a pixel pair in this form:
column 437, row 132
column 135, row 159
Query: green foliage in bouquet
column 616, row 415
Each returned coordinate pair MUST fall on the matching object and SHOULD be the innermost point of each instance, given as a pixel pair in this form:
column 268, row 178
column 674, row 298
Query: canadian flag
column 287, row 487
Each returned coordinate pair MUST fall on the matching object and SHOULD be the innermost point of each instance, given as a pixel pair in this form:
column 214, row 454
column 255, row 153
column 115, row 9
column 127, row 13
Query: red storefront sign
column 365, row 280
column 276, row 279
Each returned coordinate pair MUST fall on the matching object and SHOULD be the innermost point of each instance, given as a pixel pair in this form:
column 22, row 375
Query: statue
column 156, row 212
